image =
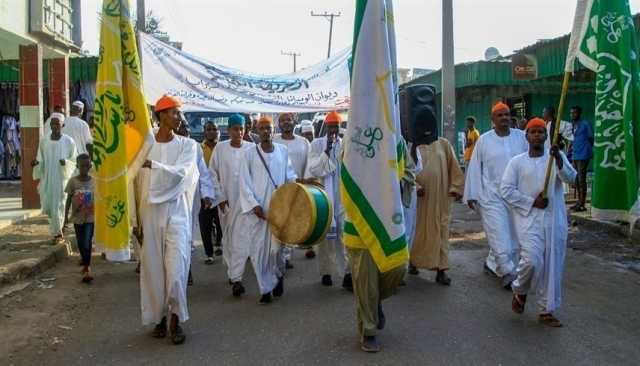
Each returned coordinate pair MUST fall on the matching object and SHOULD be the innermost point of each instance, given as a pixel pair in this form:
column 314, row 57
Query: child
column 80, row 199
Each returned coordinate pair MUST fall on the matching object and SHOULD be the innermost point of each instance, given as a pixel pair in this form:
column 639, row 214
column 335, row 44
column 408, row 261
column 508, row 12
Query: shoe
column 413, row 270
column 310, row 254
column 326, row 280
column 218, row 252
column 279, row 289
column 507, row 280
column 489, row 271
column 208, row 261
column 288, row 265
column 178, row 336
column 381, row 318
column 160, row 331
column 347, row 282
column 549, row 320
column 443, row 279
column 237, row 290
column 265, row 299
column 370, row 344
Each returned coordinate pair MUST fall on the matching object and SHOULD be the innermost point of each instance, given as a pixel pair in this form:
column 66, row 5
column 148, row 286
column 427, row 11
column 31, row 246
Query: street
column 469, row 323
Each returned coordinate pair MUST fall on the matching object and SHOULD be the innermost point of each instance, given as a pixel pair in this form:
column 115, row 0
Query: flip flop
column 549, row 320
column 178, row 336
column 517, row 303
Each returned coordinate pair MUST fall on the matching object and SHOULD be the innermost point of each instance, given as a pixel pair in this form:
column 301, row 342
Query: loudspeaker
column 418, row 116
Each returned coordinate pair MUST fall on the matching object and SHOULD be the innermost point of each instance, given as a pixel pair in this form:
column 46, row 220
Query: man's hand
column 555, row 152
column 223, row 205
column 34, row 163
column 455, row 195
column 62, row 162
column 258, row 212
column 207, row 203
column 420, row 192
column 147, row 164
column 541, row 202
column 472, row 204
column 330, row 139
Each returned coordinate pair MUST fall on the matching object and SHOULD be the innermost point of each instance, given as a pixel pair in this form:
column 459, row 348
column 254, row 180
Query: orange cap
column 498, row 107
column 332, row 118
column 265, row 120
column 167, row 102
column 536, row 122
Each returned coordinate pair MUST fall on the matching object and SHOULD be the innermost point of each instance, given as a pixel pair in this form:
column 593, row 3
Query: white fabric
column 256, row 189
column 411, row 212
column 204, row 189
column 77, row 129
column 331, row 252
column 225, row 164
column 542, row 233
column 202, row 85
column 298, row 149
column 306, row 126
column 54, row 177
column 167, row 191
column 78, row 104
column 581, row 21
column 484, row 174
column 566, row 131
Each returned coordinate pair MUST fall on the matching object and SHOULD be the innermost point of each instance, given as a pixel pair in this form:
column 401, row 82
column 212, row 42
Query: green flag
column 603, row 39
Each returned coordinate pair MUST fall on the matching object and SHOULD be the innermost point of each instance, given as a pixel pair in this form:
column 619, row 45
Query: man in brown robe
column 440, row 181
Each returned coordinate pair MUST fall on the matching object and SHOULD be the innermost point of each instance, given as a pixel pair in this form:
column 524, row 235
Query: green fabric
column 609, row 48
column 322, row 215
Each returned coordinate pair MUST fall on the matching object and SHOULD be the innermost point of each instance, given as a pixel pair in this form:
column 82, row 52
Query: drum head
column 291, row 214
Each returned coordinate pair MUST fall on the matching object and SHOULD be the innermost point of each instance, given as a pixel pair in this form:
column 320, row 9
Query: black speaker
column 418, row 117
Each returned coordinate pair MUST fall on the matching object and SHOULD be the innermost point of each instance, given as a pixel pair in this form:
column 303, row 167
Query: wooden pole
column 554, row 140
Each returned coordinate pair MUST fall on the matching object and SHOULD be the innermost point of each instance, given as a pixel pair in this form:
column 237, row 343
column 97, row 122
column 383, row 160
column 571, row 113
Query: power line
column 295, row 58
column 329, row 17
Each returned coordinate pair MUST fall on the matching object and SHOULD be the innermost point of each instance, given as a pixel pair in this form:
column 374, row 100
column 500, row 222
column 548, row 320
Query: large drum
column 300, row 214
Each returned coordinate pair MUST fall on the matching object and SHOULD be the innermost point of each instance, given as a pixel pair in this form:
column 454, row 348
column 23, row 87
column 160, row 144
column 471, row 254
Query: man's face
column 84, row 165
column 235, row 133
column 56, row 126
column 575, row 114
column 76, row 111
column 470, row 124
column 536, row 136
column 286, row 124
column 308, row 136
column 170, row 118
column 333, row 130
column 211, row 132
column 265, row 131
column 501, row 118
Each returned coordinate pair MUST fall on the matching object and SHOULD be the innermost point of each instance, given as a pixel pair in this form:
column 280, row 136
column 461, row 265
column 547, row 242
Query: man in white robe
column 324, row 165
column 490, row 157
column 76, row 128
column 53, row 166
column 169, row 177
column 226, row 160
column 265, row 167
column 541, row 222
column 298, row 148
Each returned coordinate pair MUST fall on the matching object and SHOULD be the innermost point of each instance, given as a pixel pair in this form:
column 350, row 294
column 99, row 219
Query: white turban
column 78, row 104
column 59, row 116
column 306, row 126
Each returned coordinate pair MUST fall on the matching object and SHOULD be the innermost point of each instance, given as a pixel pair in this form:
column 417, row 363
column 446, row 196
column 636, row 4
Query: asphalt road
column 470, row 323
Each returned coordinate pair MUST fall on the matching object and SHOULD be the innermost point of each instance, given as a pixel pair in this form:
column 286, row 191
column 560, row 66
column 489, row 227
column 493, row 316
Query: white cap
column 58, row 116
column 306, row 126
column 78, row 104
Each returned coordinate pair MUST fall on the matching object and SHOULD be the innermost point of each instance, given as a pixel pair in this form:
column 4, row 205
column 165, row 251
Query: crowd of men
column 227, row 186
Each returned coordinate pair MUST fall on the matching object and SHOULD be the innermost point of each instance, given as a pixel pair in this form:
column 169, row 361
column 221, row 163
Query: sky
column 250, row 35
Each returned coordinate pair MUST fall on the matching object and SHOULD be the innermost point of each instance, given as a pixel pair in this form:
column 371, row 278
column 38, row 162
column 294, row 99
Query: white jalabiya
column 256, row 189
column 167, row 191
column 206, row 188
column 298, row 149
column 411, row 212
column 225, row 164
column 77, row 129
column 484, row 174
column 54, row 177
column 542, row 233
column 331, row 253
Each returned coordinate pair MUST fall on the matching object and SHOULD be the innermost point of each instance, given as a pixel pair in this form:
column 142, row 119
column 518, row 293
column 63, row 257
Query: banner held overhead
column 202, row 85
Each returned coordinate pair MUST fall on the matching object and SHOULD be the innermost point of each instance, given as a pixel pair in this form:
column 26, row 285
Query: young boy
column 80, row 199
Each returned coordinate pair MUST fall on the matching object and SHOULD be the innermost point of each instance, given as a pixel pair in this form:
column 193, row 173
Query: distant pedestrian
column 209, row 217
column 566, row 129
column 540, row 222
column 306, row 130
column 53, row 166
column 80, row 199
column 471, row 135
column 581, row 153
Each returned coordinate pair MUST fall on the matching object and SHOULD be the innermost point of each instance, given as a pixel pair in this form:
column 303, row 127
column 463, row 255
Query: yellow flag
column 121, row 126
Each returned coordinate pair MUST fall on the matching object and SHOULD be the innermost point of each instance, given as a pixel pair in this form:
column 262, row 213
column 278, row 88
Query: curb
column 26, row 268
column 606, row 226
column 4, row 223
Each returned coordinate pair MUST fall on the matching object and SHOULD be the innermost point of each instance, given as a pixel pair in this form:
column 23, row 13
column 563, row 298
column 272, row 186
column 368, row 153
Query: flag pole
column 554, row 139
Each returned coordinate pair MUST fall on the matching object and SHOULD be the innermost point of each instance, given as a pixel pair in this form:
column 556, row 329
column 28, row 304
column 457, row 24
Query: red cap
column 333, row 118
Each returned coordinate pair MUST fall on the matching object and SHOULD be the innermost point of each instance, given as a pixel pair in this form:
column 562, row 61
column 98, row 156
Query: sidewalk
column 11, row 210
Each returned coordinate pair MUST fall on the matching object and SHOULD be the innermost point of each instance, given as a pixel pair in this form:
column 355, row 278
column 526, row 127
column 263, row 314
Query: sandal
column 549, row 320
column 517, row 303
column 160, row 331
column 178, row 336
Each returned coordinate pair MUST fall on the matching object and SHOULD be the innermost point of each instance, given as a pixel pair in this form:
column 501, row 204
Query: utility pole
column 140, row 14
column 295, row 58
column 448, row 75
column 329, row 17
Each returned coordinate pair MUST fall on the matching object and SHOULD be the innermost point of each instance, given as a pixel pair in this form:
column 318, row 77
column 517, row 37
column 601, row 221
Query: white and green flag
column 373, row 148
column 603, row 39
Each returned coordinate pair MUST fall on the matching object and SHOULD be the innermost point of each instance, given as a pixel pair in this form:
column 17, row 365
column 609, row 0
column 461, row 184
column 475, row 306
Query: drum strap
column 266, row 166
